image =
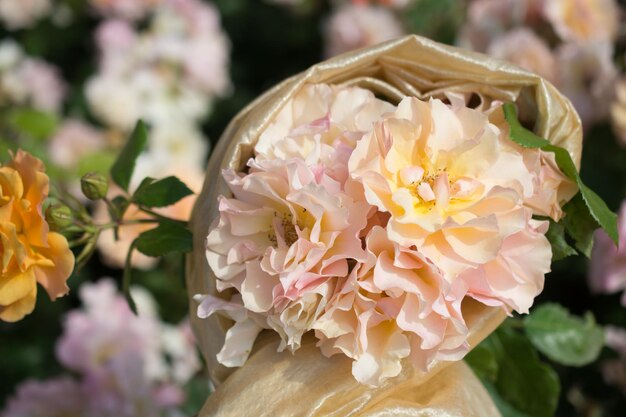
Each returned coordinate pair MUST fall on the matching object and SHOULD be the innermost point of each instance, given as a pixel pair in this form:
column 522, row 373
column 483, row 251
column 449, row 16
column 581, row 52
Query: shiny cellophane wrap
column 306, row 383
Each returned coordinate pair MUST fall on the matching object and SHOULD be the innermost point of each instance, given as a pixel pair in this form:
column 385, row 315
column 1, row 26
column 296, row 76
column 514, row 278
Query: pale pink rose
column 516, row 276
column 587, row 77
column 396, row 304
column 583, row 20
column 20, row 14
column 607, row 273
column 352, row 27
column 452, row 182
column 282, row 242
column 59, row 397
column 525, row 49
column 321, row 125
column 552, row 189
column 74, row 140
column 489, row 20
column 124, row 9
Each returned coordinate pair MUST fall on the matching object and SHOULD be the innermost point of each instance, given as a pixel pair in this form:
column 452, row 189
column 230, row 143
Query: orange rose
column 29, row 252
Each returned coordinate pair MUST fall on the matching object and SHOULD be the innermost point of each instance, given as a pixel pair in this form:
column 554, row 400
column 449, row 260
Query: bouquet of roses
column 376, row 225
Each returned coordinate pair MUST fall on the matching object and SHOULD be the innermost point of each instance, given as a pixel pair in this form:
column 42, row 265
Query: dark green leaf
column 566, row 339
column 519, row 134
column 600, row 212
column 123, row 168
column 166, row 238
column 506, row 409
column 127, row 278
column 560, row 248
column 579, row 224
column 596, row 207
column 37, row 124
column 160, row 193
column 522, row 381
column 483, row 361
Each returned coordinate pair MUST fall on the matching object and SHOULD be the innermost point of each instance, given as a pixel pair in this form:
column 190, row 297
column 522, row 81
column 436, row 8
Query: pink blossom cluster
column 20, row 14
column 607, row 273
column 124, row 9
column 169, row 72
column 358, row 25
column 128, row 366
column 577, row 58
column 28, row 81
column 373, row 225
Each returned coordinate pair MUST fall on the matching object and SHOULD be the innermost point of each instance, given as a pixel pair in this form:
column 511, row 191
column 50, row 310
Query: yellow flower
column 29, row 252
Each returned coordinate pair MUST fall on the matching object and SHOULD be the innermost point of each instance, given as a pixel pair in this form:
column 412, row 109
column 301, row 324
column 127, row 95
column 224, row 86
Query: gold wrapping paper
column 306, row 383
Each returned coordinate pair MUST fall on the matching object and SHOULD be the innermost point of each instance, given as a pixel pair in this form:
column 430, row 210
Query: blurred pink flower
column 20, row 14
column 355, row 26
column 124, row 9
column 74, row 140
column 120, row 388
column 489, row 20
column 58, row 397
column 614, row 370
column 29, row 81
column 168, row 72
column 115, row 40
column 106, row 329
column 392, row 3
column 587, row 76
column 523, row 48
column 607, row 273
column 583, row 20
column 618, row 111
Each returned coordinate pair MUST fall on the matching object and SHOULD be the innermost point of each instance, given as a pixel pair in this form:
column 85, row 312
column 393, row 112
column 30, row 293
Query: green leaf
column 166, row 238
column 524, row 385
column 160, row 193
column 483, row 361
column 596, row 207
column 560, row 248
column 600, row 212
column 566, row 339
column 579, row 224
column 123, row 168
column 127, row 278
column 37, row 124
column 506, row 409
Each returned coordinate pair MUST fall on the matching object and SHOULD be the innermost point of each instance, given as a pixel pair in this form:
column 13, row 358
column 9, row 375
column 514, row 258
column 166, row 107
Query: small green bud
column 59, row 216
column 94, row 185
